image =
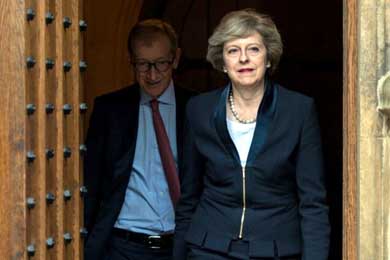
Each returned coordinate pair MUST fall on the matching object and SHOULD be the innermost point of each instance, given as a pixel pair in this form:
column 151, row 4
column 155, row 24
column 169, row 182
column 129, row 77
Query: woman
column 252, row 180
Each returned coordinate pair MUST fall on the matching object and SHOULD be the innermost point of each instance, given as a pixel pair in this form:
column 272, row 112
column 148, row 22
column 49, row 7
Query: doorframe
column 350, row 139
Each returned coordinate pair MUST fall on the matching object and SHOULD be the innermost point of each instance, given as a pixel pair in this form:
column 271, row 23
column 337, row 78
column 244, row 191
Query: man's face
column 155, row 51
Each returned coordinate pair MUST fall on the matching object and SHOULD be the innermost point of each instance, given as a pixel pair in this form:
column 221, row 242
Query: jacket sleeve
column 191, row 188
column 94, row 164
column 313, row 209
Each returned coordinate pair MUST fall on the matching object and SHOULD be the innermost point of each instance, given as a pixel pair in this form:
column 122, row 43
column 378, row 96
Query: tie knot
column 154, row 104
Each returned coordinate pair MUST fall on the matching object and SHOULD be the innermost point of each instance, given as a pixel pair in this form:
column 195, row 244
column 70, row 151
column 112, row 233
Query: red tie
column 166, row 154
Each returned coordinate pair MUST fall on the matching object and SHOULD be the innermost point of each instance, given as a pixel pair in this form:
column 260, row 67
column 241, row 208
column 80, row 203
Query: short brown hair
column 240, row 24
column 148, row 30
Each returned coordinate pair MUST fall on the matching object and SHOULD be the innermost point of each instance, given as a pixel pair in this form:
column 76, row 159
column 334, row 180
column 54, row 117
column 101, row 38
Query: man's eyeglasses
column 160, row 66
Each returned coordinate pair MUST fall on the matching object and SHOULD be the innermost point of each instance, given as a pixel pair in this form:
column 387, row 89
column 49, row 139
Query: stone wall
column 373, row 131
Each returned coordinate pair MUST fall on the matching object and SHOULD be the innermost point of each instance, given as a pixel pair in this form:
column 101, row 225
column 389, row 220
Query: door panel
column 53, row 129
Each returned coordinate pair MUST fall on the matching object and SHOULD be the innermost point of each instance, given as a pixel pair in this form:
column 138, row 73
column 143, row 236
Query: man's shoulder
column 123, row 94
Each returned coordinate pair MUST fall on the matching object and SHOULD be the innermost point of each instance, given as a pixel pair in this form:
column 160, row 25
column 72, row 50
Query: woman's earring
column 268, row 65
column 224, row 70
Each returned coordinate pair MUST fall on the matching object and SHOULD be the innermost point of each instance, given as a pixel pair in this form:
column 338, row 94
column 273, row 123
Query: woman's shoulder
column 286, row 94
column 291, row 98
column 293, row 103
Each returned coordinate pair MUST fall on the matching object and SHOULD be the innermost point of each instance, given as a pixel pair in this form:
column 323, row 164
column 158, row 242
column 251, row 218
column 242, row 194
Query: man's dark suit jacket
column 286, row 211
column 111, row 142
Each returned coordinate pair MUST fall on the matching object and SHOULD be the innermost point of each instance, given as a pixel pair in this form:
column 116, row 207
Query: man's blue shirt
column 147, row 207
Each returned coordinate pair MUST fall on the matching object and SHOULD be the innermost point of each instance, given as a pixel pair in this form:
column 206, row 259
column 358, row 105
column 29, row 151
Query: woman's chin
column 248, row 83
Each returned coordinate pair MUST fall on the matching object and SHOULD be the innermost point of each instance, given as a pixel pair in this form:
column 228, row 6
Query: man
column 134, row 146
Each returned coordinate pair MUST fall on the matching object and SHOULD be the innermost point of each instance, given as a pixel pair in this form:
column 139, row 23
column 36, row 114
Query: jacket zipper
column 243, row 203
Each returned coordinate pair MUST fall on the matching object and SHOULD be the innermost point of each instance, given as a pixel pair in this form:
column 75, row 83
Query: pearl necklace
column 234, row 112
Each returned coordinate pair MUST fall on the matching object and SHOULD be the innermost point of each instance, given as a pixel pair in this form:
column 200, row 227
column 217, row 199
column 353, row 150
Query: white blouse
column 242, row 135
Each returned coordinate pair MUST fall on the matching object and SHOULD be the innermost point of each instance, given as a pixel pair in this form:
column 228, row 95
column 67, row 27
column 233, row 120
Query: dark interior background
column 311, row 64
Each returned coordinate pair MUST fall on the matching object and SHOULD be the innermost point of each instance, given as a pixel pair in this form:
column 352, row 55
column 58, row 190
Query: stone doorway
column 311, row 64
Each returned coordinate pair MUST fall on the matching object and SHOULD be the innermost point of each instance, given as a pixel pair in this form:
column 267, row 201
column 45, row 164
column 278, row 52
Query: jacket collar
column 265, row 115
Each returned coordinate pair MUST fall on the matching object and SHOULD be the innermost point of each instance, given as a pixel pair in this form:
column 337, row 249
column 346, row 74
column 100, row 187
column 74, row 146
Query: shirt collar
column 167, row 97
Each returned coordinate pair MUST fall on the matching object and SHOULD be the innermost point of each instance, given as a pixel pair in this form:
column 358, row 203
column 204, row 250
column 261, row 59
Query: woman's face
column 246, row 61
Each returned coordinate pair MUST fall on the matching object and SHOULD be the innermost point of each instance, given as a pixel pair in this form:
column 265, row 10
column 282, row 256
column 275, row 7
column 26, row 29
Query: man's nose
column 152, row 73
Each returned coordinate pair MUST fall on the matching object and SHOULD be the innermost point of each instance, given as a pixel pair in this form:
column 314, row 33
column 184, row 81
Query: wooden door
column 43, row 115
column 41, row 129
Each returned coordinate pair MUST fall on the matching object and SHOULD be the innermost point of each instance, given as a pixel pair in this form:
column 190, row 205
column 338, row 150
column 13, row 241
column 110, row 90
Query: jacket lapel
column 182, row 96
column 127, row 116
column 180, row 115
column 265, row 115
column 221, row 126
column 130, row 120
